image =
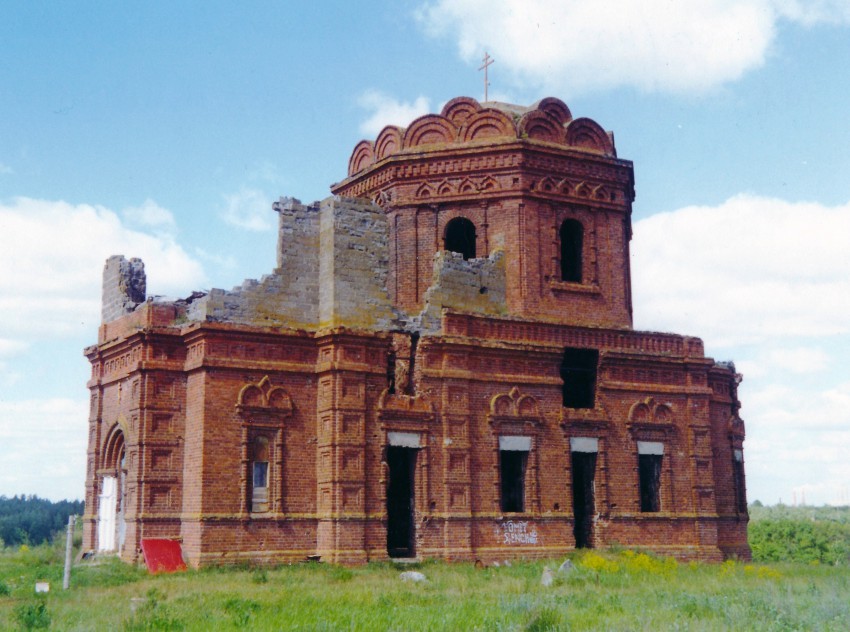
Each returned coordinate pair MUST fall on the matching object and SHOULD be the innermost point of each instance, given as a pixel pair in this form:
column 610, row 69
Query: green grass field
column 610, row 590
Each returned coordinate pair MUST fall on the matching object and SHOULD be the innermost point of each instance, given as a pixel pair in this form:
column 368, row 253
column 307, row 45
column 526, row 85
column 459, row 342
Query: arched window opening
column 260, row 475
column 111, row 496
column 572, row 241
column 460, row 237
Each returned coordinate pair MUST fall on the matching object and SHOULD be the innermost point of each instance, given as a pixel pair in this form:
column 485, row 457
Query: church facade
column 442, row 365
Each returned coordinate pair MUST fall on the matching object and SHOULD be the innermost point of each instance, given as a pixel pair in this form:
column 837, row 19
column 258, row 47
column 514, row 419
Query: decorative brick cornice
column 263, row 401
column 650, row 420
column 491, row 149
column 514, row 411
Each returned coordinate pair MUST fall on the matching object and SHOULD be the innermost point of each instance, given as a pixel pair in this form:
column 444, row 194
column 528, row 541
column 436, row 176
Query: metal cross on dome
column 487, row 61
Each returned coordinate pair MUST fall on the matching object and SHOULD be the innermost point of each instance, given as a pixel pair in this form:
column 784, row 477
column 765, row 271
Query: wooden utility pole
column 487, row 61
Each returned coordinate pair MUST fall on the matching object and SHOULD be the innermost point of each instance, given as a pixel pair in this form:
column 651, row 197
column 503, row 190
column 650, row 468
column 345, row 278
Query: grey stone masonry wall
column 354, row 266
column 332, row 271
column 298, row 249
column 290, row 295
column 124, row 287
column 476, row 285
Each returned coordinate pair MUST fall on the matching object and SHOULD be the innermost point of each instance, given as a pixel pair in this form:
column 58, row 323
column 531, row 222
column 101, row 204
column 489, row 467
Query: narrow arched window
column 460, row 237
column 111, row 501
column 572, row 240
column 260, row 475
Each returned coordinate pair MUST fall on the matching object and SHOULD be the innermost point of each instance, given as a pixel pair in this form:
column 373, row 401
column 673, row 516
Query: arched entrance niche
column 112, row 494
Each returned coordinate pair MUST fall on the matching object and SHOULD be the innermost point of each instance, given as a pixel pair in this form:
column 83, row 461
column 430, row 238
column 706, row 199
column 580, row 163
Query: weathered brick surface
column 369, row 332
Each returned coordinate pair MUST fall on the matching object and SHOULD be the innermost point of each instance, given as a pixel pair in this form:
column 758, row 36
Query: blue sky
column 166, row 130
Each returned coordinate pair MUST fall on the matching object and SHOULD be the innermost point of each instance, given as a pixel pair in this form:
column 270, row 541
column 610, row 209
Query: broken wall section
column 124, row 287
column 333, row 266
column 289, row 296
column 354, row 266
column 333, row 260
column 474, row 285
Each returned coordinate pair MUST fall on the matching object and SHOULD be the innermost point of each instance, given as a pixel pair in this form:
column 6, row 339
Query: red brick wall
column 189, row 396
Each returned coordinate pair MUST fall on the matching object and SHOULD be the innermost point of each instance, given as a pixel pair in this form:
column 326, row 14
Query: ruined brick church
column 442, row 365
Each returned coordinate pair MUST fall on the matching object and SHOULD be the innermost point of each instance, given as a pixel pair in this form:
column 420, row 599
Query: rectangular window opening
column 578, row 371
column 260, row 487
column 649, row 466
column 261, row 474
column 512, row 465
column 740, row 485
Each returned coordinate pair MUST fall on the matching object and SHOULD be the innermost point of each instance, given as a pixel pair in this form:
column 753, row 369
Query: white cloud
column 51, row 261
column 249, row 209
column 779, row 408
column 811, row 12
column 800, row 360
column 9, row 350
column 572, row 46
column 386, row 110
column 150, row 215
column 749, row 270
column 11, row 347
column 768, row 279
column 795, row 361
column 26, row 428
column 227, row 262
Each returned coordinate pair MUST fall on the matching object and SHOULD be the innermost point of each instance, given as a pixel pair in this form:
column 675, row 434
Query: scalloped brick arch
column 587, row 134
column 264, row 395
column 539, row 125
column 555, row 108
column 430, row 129
column 362, row 157
column 486, row 124
column 460, row 109
column 388, row 142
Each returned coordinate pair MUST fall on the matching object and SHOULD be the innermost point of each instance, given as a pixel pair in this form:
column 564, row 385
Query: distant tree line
column 800, row 534
column 33, row 520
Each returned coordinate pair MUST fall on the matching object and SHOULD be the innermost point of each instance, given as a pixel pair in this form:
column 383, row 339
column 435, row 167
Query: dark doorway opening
column 512, row 468
column 400, row 501
column 584, row 471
